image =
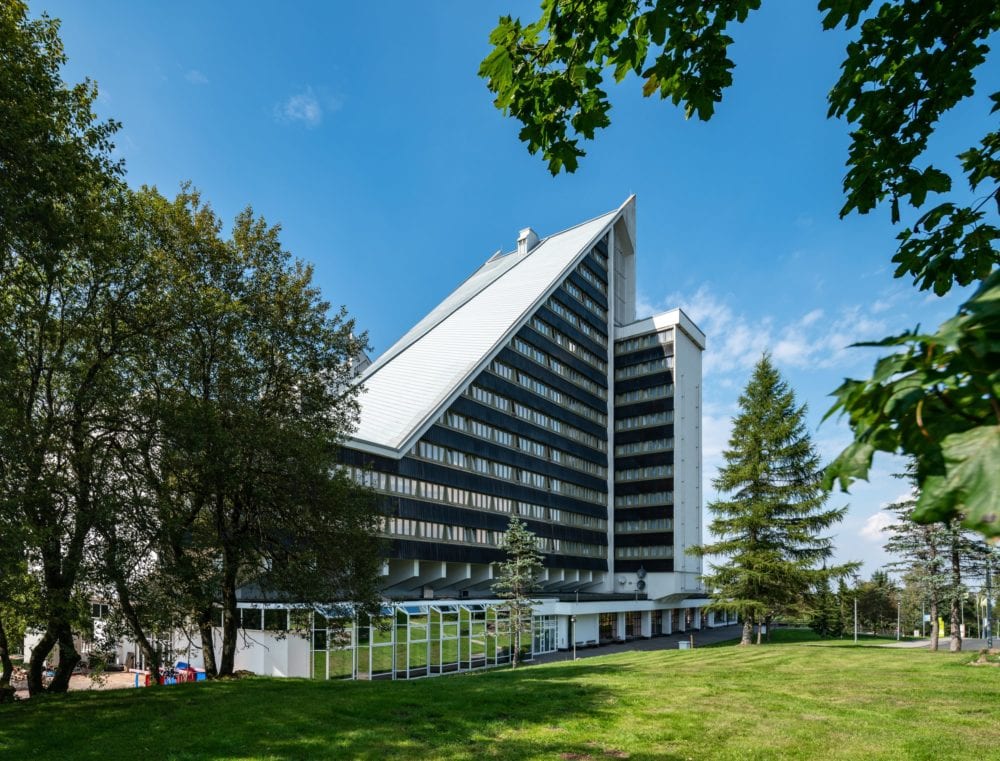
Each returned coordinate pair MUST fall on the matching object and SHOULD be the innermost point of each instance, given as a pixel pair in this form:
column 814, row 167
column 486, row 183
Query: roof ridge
column 396, row 349
column 404, row 433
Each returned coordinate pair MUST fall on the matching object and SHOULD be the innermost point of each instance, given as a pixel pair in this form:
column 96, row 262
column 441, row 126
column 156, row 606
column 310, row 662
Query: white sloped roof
column 409, row 386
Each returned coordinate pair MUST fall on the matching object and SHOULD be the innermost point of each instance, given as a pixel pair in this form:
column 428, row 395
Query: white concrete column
column 621, row 627
column 668, row 621
column 647, row 624
column 697, row 618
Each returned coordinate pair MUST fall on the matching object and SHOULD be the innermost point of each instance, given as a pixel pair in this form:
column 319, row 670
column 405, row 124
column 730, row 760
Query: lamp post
column 899, row 617
column 572, row 620
column 856, row 609
column 989, row 603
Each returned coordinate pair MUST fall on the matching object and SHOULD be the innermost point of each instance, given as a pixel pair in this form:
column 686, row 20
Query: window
column 645, row 421
column 645, row 368
column 251, row 618
column 276, row 619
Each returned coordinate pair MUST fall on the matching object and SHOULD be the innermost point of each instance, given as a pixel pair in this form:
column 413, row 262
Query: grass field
column 797, row 700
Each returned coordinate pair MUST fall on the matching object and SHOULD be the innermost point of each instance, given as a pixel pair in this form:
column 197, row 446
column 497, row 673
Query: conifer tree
column 936, row 557
column 769, row 525
column 518, row 579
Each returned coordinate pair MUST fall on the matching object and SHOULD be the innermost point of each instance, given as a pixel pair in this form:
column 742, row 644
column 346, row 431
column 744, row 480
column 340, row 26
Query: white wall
column 687, row 458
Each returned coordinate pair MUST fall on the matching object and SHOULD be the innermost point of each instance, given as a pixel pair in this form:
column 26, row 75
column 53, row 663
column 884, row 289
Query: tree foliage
column 517, row 580
column 171, row 400
column 769, row 528
column 910, row 62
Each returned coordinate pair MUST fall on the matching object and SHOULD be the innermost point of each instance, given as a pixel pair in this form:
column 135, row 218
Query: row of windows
column 412, row 487
column 521, row 443
column 645, row 394
column 547, row 392
column 410, row 528
column 554, row 515
column 540, row 357
column 644, row 368
column 629, row 345
column 646, row 524
column 631, row 553
column 582, row 325
column 641, row 474
column 504, row 472
column 598, row 257
column 652, row 499
column 535, row 417
column 588, row 302
column 644, row 421
column 569, row 344
column 593, row 279
column 643, row 447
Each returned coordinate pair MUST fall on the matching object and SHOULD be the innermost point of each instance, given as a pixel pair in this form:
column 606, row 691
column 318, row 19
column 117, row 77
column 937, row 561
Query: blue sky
column 364, row 131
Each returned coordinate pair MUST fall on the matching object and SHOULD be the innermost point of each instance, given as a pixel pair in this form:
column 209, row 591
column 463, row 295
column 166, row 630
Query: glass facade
column 412, row 640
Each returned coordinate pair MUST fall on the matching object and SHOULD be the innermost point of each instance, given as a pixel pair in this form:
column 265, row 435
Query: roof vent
column 527, row 239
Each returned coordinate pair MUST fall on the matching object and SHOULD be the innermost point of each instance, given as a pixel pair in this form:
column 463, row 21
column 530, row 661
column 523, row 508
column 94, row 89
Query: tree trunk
column 37, row 663
column 767, row 625
column 153, row 659
column 207, row 644
column 5, row 661
column 68, row 659
column 747, row 637
column 230, row 621
column 956, row 595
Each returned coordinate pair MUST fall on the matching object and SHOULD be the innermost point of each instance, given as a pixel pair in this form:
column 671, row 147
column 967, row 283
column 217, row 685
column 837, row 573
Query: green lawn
column 801, row 700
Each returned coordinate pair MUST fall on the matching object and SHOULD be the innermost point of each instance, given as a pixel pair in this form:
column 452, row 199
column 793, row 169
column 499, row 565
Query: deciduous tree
column 937, row 398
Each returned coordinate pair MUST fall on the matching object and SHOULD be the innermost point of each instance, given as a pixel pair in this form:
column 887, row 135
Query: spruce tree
column 769, row 525
column 518, row 579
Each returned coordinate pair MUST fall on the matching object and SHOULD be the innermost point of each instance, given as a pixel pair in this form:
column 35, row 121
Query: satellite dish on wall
column 621, row 579
column 641, row 573
column 640, row 585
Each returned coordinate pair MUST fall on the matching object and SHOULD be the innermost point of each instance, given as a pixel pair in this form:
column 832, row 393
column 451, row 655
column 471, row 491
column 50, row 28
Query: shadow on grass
column 444, row 717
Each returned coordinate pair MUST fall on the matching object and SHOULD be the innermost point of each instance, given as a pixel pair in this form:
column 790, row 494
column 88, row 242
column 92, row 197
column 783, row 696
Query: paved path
column 666, row 642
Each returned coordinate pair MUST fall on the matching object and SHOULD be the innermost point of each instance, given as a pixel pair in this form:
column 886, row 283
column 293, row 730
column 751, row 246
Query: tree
column 67, row 281
column 769, row 528
column 517, row 580
column 245, row 396
column 937, row 400
column 877, row 600
column 825, row 619
column 936, row 559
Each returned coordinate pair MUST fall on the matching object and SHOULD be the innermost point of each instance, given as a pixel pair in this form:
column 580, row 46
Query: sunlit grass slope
column 790, row 700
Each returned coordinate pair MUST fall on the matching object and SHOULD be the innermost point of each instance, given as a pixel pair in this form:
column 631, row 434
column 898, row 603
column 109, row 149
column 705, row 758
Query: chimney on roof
column 527, row 239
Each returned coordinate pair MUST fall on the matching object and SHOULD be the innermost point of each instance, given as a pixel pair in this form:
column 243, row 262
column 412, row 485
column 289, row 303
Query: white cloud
column 814, row 340
column 195, row 77
column 307, row 107
column 875, row 526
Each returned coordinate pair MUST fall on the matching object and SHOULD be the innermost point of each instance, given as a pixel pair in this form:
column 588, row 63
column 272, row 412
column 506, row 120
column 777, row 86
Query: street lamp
column 856, row 609
column 899, row 616
column 572, row 620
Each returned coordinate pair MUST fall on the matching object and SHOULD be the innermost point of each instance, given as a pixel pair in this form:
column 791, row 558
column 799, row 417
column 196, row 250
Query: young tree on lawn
column 769, row 527
column 518, row 580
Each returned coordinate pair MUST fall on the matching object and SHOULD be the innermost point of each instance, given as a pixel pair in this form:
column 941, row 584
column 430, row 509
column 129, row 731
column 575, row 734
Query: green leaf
column 970, row 486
